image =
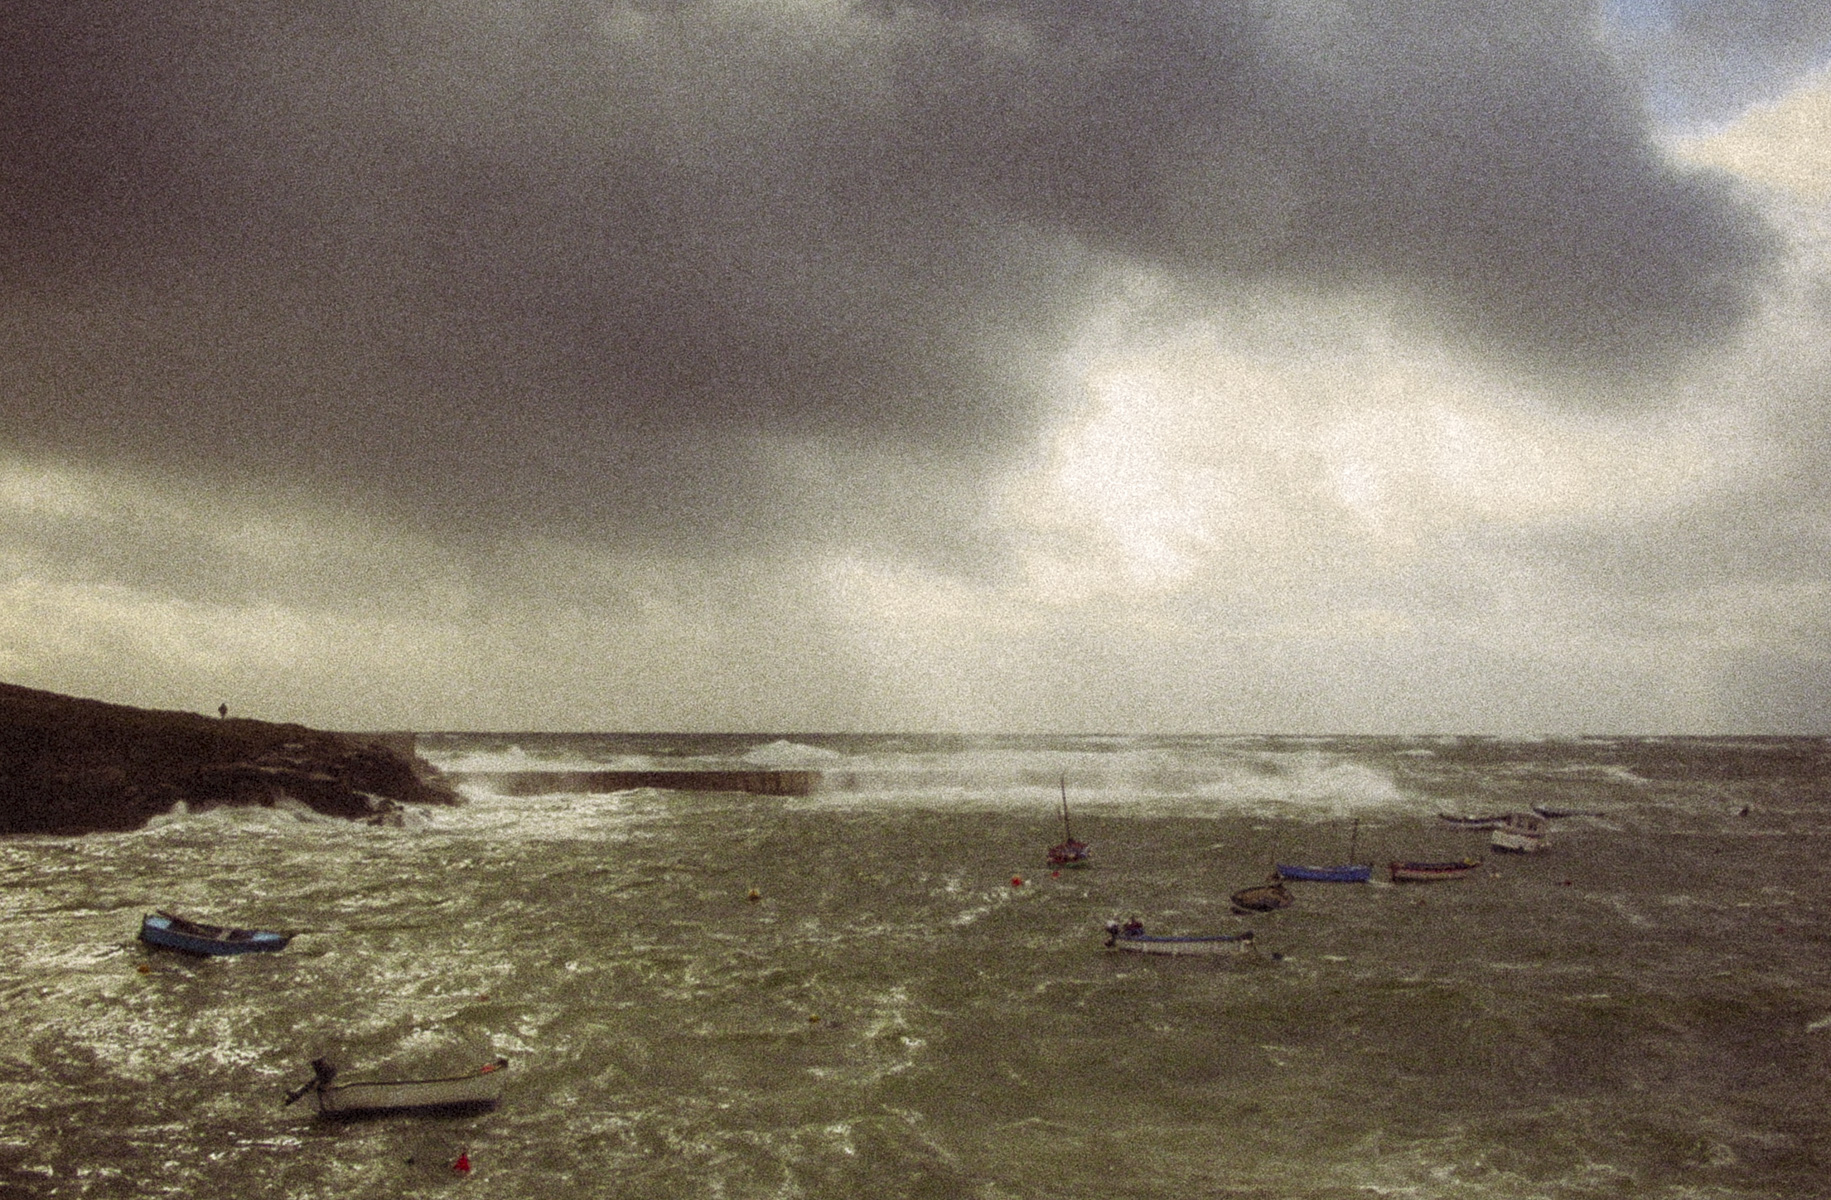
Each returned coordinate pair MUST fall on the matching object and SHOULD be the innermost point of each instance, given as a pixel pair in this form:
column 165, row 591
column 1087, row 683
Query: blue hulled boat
column 1351, row 873
column 193, row 937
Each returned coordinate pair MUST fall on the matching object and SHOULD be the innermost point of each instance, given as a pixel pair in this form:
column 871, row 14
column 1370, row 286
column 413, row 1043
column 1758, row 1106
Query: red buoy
column 1017, row 881
column 462, row 1166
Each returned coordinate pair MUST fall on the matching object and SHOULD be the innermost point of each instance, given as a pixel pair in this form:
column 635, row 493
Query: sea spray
column 1637, row 1011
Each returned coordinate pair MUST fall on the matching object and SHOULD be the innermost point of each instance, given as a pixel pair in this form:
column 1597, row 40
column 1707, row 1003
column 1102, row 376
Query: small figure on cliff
column 222, row 710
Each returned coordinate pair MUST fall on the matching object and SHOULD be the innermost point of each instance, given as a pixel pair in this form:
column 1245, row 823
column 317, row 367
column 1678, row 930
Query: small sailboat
column 1346, row 873
column 1069, row 852
column 1349, row 872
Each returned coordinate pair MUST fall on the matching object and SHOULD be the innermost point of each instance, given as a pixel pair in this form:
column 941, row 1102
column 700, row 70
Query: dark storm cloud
column 560, row 259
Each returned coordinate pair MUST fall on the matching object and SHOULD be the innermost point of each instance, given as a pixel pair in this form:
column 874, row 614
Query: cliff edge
column 83, row 766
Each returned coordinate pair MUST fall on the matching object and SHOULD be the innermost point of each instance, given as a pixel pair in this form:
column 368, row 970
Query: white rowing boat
column 1134, row 939
column 1523, row 833
column 475, row 1091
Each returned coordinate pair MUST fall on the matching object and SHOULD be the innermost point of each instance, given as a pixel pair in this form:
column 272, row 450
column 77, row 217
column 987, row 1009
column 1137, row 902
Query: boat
column 1133, row 938
column 1347, row 873
column 173, row 932
column 1522, row 833
column 1266, row 897
column 1424, row 872
column 450, row 1095
column 1493, row 822
column 1069, row 852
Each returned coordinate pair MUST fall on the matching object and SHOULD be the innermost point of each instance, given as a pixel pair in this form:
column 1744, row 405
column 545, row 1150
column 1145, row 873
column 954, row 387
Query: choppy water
column 1643, row 1011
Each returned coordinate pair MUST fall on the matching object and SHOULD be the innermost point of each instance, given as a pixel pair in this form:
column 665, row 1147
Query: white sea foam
column 781, row 753
column 657, row 1016
column 1209, row 779
column 514, row 759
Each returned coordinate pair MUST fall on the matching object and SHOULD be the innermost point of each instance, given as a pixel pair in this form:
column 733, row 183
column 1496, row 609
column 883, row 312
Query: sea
column 880, row 990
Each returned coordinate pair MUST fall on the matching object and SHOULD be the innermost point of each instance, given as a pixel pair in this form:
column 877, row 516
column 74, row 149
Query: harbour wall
column 541, row 783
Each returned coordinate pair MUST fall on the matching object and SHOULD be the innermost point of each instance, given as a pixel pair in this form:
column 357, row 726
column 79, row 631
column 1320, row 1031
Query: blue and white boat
column 173, row 932
column 1350, row 873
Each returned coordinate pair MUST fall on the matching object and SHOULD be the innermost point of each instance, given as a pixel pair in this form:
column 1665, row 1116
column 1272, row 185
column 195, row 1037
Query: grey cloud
column 563, row 260
column 1707, row 60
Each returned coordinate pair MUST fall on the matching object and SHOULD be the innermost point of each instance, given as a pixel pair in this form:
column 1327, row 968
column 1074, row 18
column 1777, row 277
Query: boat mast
column 1067, row 834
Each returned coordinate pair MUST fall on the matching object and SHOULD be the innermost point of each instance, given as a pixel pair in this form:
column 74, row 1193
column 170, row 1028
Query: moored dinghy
column 451, row 1095
column 1350, row 873
column 1523, row 833
column 1493, row 822
column 1424, row 872
column 1544, row 811
column 173, row 932
column 1131, row 936
column 1069, row 852
column 1266, row 897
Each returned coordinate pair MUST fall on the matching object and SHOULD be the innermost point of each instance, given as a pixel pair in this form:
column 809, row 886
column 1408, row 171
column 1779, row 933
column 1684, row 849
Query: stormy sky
column 979, row 365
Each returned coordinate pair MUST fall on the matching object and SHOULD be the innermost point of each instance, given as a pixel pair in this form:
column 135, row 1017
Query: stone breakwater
column 69, row 765
column 546, row 783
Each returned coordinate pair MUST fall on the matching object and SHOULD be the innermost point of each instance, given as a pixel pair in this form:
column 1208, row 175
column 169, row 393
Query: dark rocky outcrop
column 82, row 766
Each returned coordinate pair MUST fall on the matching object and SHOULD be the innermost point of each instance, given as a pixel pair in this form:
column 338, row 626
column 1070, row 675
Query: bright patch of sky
column 1705, row 62
column 1783, row 144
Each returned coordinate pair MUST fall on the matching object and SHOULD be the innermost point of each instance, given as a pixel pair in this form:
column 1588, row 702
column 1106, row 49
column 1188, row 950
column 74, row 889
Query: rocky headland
column 69, row 765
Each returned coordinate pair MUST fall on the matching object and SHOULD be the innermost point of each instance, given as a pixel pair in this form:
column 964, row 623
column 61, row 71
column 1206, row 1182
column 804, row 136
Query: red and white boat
column 1424, row 872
